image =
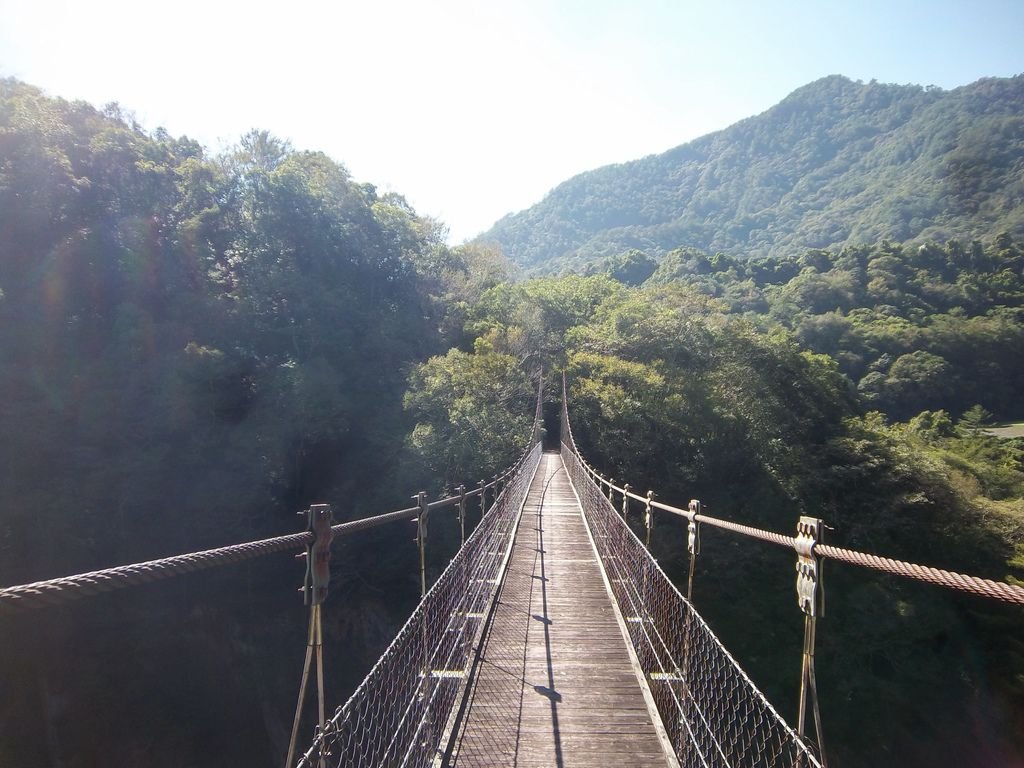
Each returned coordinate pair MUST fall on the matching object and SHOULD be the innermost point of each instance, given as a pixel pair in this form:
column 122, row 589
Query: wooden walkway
column 555, row 685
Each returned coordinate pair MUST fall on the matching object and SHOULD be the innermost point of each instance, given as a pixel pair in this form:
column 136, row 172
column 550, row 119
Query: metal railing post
column 625, row 501
column 314, row 589
column 810, row 593
column 462, row 514
column 611, row 493
column 649, row 517
column 692, row 543
column 693, row 548
column 421, row 538
column 483, row 499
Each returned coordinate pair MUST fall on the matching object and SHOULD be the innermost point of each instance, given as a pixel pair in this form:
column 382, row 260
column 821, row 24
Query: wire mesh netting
column 713, row 714
column 401, row 711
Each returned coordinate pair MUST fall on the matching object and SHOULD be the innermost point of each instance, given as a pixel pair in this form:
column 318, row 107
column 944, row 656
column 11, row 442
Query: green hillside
column 836, row 163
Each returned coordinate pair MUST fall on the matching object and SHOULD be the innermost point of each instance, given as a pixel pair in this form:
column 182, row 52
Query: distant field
column 1008, row 430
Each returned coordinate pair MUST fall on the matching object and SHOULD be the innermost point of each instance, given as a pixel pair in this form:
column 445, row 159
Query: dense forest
column 192, row 349
column 195, row 347
column 836, row 163
column 670, row 390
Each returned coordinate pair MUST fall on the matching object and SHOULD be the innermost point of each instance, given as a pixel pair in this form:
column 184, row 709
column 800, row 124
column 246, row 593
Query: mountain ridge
column 837, row 162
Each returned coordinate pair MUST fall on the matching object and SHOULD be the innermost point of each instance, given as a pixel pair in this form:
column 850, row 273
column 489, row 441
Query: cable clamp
column 810, row 591
column 421, row 519
column 692, row 528
column 318, row 554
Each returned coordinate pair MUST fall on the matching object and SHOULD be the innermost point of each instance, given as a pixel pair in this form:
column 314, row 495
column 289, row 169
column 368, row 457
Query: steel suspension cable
column 58, row 591
column 65, row 589
column 975, row 585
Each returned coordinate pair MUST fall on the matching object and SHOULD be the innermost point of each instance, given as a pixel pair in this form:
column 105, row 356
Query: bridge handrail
column 64, row 589
column 400, row 711
column 975, row 585
column 712, row 712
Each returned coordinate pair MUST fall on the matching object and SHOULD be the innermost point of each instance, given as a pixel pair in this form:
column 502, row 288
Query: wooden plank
column 554, row 685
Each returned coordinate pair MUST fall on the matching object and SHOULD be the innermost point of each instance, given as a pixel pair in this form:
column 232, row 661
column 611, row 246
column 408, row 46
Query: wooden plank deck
column 555, row 685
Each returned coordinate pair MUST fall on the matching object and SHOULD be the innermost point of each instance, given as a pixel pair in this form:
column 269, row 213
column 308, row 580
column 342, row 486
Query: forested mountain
column 837, row 162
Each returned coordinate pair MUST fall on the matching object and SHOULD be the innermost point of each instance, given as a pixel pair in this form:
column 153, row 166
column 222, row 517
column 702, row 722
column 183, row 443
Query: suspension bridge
column 552, row 638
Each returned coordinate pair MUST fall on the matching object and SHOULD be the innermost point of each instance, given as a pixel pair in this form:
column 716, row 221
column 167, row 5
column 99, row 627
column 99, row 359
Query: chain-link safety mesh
column 400, row 712
column 712, row 712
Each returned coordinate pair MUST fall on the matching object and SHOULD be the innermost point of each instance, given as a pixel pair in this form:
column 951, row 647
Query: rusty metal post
column 611, row 493
column 693, row 547
column 692, row 543
column 314, row 589
column 462, row 514
column 421, row 541
column 463, row 571
column 421, row 538
column 625, row 501
column 811, row 599
column 649, row 516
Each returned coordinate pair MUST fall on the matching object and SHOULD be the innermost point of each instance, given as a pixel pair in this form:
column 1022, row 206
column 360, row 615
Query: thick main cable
column 974, row 585
column 64, row 589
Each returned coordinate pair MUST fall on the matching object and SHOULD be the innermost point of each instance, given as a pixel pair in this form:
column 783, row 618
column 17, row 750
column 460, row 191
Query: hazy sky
column 474, row 109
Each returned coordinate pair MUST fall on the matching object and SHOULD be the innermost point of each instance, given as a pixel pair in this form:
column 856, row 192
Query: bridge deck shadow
column 554, row 685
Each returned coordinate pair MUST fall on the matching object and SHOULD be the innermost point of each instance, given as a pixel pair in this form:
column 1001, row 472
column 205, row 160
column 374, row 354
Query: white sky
column 476, row 109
